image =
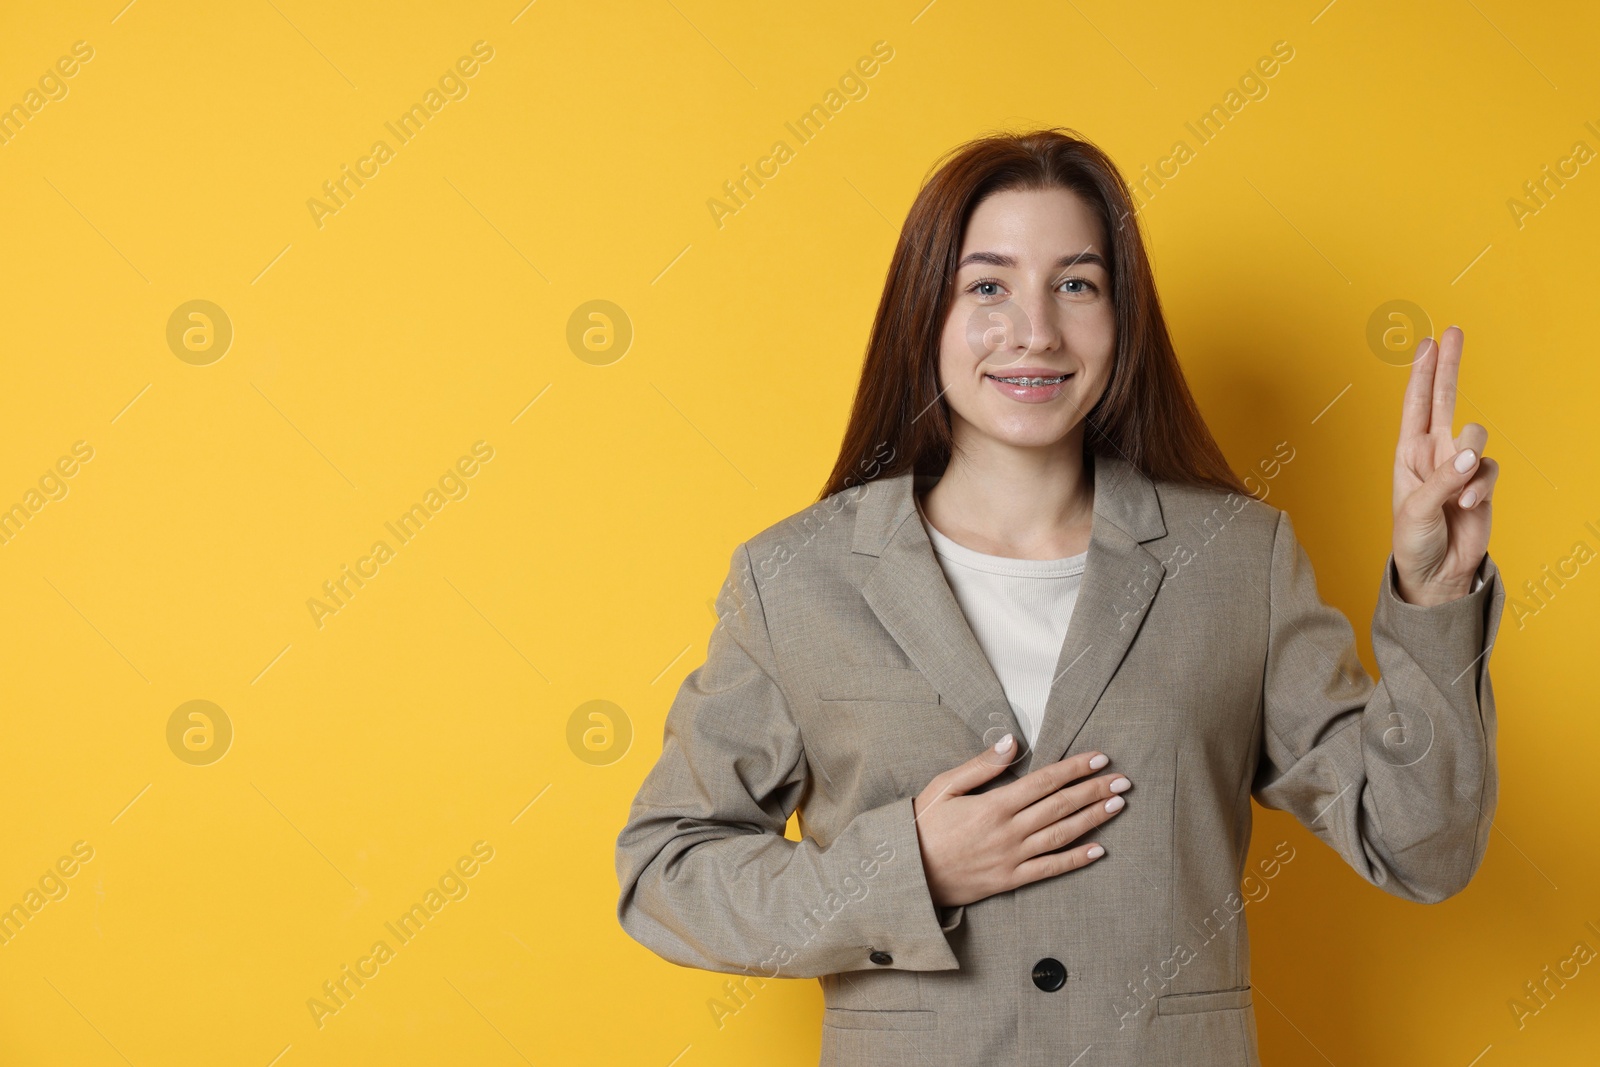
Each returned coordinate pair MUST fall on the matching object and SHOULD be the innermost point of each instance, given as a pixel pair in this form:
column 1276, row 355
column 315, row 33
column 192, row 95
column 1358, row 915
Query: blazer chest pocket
column 1215, row 1000
column 895, row 685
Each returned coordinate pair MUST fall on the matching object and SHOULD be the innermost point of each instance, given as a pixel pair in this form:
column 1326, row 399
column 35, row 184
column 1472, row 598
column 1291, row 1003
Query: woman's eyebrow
column 1000, row 259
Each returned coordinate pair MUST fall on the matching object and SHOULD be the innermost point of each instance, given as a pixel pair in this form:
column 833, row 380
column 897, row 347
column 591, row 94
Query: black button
column 1049, row 975
column 881, row 958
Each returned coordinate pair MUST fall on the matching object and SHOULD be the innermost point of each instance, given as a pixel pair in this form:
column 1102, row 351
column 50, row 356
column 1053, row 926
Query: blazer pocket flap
column 894, row 684
column 854, row 1019
column 1214, row 1000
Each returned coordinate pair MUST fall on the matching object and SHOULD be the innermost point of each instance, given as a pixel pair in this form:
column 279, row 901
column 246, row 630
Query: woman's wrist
column 1430, row 592
column 1427, row 595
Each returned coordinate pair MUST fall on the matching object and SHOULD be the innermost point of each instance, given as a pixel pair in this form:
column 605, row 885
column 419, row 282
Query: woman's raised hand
column 1442, row 484
column 977, row 845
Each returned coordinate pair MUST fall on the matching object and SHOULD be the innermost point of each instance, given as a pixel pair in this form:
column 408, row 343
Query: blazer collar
column 1123, row 495
column 907, row 590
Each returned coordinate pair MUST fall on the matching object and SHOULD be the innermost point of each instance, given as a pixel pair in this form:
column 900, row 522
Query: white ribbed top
column 1018, row 610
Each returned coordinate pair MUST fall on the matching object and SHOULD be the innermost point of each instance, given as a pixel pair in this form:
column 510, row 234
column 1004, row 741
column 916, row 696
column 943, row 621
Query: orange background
column 445, row 304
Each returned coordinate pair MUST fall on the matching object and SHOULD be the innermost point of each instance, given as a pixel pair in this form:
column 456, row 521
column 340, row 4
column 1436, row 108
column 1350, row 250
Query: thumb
column 986, row 765
column 1445, row 483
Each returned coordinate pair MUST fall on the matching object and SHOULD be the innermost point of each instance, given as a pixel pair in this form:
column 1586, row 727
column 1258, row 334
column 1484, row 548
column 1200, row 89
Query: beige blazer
column 842, row 676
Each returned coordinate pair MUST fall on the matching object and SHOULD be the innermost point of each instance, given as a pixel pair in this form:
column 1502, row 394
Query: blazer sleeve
column 707, row 877
column 1397, row 775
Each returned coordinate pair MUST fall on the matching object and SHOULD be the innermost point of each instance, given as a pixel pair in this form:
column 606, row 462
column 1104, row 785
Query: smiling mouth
column 1056, row 380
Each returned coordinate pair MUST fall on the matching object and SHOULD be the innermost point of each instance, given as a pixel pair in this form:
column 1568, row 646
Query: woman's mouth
column 1029, row 388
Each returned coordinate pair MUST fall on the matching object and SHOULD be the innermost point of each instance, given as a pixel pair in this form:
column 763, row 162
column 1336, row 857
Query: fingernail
column 1464, row 461
column 1099, row 761
column 1469, row 498
column 1095, row 852
column 1003, row 744
column 1115, row 804
column 1119, row 784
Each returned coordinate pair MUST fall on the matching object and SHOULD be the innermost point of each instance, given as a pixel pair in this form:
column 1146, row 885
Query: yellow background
column 369, row 354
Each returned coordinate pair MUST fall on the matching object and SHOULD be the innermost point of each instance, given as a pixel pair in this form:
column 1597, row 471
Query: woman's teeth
column 1030, row 381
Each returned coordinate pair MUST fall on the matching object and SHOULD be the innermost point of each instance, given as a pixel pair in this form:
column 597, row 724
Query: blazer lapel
column 908, row 592
column 1121, row 579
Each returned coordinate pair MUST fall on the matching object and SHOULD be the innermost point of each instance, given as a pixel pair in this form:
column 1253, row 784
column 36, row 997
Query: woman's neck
column 1022, row 504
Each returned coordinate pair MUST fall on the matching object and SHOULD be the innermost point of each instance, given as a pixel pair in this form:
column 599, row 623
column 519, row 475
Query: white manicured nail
column 1464, row 461
column 1115, row 804
column 1003, row 744
column 1095, row 852
column 1119, row 784
column 1469, row 498
column 1099, row 761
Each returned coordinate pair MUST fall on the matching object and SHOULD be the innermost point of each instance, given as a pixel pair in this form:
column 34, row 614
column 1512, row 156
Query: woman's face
column 1032, row 300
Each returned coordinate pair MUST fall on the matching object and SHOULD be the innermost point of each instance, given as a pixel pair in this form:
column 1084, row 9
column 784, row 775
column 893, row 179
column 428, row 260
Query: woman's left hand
column 1442, row 484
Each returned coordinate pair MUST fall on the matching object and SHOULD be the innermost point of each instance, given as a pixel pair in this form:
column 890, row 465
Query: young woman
column 1023, row 666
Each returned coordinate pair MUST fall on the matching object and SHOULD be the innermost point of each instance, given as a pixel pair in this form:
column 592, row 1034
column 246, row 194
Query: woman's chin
column 1033, row 433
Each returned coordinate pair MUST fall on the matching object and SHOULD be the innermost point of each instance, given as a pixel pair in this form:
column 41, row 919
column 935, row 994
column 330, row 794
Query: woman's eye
column 1088, row 287
column 981, row 287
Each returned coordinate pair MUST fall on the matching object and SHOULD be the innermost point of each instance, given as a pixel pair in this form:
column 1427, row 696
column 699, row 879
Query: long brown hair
column 900, row 422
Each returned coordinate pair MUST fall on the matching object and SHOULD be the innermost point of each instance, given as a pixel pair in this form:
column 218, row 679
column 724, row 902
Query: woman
column 1023, row 839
